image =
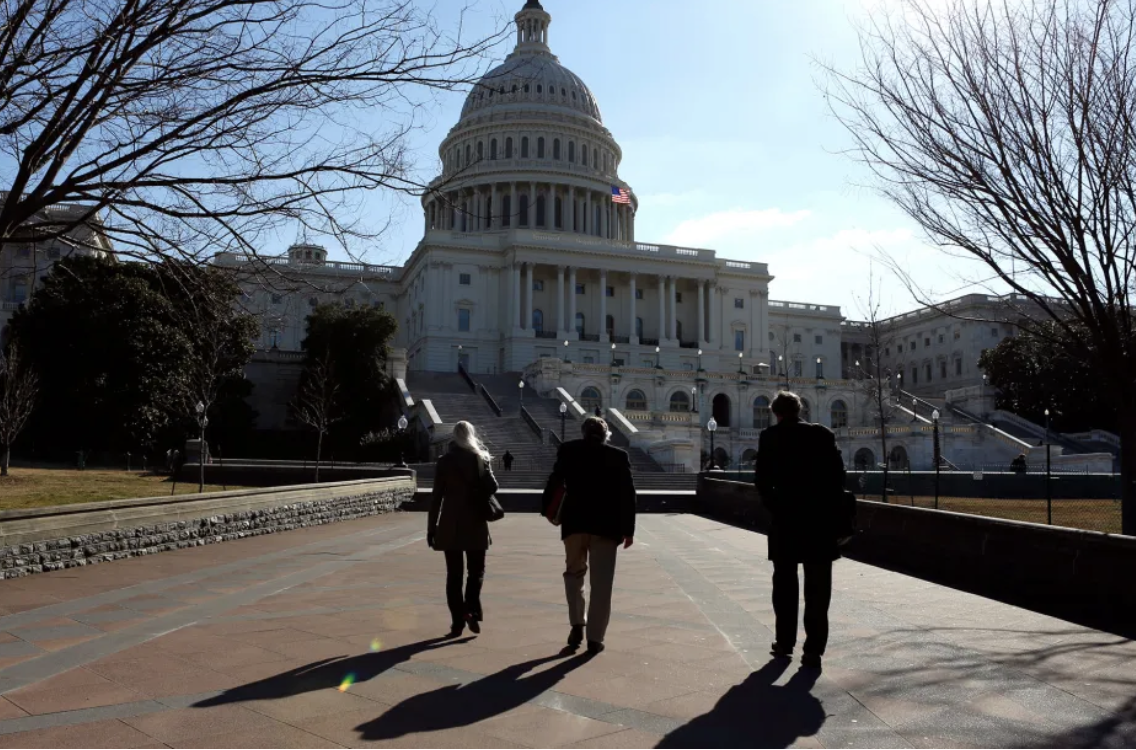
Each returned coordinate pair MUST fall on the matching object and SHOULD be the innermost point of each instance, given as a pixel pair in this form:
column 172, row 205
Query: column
column 513, row 213
column 604, row 213
column 560, row 301
column 673, row 321
column 715, row 317
column 603, row 305
column 662, row 308
column 630, row 224
column 572, row 300
column 532, row 205
column 570, row 216
column 631, row 321
column 494, row 209
column 475, row 207
column 701, row 312
column 516, row 311
column 527, row 323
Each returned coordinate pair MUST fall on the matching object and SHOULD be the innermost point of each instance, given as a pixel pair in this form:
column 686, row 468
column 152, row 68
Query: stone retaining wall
column 44, row 539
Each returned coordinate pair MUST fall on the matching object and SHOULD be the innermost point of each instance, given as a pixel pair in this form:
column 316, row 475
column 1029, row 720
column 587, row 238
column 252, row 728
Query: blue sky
column 726, row 139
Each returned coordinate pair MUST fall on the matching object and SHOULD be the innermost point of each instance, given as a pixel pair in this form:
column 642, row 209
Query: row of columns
column 475, row 209
column 522, row 304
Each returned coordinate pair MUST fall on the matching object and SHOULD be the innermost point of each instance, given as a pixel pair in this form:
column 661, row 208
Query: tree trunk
column 319, row 450
column 4, row 462
column 1128, row 472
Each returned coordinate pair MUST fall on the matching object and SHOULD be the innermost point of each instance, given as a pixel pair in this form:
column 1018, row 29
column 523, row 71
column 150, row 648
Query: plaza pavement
column 328, row 637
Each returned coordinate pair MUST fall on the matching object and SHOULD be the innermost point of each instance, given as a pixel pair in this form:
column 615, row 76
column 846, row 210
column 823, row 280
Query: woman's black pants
column 471, row 603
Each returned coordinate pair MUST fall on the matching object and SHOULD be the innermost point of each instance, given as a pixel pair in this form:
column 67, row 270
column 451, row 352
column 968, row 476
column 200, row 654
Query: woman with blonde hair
column 458, row 524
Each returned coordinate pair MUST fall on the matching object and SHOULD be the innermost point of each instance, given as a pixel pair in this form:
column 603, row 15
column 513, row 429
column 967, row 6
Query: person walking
column 457, row 524
column 507, row 459
column 800, row 476
column 597, row 514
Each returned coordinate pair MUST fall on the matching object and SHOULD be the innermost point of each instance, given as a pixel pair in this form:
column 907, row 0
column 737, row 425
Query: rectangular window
column 958, row 335
column 463, row 279
column 579, row 289
column 915, row 376
column 739, row 303
column 678, row 297
column 927, row 341
column 688, row 366
column 609, row 292
column 617, row 362
column 463, row 319
column 589, row 360
column 739, row 340
column 638, row 294
column 927, row 372
column 796, row 338
column 913, row 346
column 942, row 338
column 538, row 285
column 958, row 367
column 943, row 370
column 899, row 347
column 798, row 368
column 994, row 333
column 819, row 340
column 887, row 351
column 648, row 363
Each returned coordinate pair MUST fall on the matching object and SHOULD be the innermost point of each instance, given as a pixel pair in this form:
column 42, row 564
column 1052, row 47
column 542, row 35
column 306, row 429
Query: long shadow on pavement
column 326, row 673
column 757, row 713
column 456, row 706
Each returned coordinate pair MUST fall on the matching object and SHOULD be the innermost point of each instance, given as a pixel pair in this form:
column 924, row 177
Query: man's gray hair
column 594, row 428
column 786, row 404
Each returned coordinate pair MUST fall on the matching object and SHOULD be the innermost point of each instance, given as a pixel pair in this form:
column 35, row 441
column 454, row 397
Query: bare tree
column 871, row 379
column 18, row 389
column 1007, row 130
column 316, row 402
column 785, row 350
column 186, row 127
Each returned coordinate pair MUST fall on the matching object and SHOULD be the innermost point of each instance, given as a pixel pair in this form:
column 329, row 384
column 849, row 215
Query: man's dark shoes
column 595, row 647
column 576, row 636
column 456, row 630
column 474, row 624
column 812, row 661
column 781, row 652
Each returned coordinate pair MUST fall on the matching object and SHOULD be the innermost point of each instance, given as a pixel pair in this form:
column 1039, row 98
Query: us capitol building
column 530, row 263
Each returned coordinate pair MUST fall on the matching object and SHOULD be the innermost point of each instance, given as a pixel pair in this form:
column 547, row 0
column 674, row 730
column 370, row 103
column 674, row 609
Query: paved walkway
column 327, row 637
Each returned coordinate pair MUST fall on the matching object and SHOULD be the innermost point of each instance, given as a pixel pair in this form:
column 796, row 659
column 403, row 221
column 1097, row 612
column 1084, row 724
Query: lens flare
column 348, row 681
column 376, row 645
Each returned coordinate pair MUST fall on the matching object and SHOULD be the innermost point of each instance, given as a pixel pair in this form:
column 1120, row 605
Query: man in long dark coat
column 800, row 476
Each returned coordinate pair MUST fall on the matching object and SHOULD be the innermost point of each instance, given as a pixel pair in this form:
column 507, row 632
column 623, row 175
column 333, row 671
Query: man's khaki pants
column 578, row 548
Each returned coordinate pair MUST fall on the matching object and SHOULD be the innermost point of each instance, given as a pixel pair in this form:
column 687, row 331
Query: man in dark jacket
column 598, row 514
column 800, row 476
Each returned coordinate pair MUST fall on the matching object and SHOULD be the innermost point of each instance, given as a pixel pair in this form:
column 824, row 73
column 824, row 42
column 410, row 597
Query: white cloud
column 704, row 231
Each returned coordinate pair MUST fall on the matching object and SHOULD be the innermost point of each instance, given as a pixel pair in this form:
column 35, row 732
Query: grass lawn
column 1094, row 515
column 39, row 487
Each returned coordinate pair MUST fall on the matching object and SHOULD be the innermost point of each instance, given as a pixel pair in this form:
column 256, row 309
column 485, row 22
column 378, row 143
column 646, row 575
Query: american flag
column 620, row 195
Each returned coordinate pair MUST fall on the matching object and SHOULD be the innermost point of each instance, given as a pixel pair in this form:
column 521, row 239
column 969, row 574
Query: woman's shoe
column 473, row 623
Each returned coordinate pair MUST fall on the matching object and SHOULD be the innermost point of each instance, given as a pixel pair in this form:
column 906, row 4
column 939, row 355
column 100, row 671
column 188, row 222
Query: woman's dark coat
column 457, row 514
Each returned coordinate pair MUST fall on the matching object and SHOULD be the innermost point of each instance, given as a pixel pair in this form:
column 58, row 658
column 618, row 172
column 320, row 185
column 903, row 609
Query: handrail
column 528, row 418
column 555, row 439
column 489, row 399
column 465, row 376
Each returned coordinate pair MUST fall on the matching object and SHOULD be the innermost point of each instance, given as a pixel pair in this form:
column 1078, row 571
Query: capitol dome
column 530, row 151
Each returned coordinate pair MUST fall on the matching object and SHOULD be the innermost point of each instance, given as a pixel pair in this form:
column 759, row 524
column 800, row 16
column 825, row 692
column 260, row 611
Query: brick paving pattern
column 329, row 637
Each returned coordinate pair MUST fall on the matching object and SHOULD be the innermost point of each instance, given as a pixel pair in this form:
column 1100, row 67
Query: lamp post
column 566, row 351
column 712, row 427
column 820, row 373
column 700, row 360
column 937, row 452
column 1048, row 486
column 202, row 423
column 563, row 413
column 914, row 410
column 521, row 385
column 693, row 399
column 402, row 424
column 613, row 355
column 658, row 366
column 741, row 370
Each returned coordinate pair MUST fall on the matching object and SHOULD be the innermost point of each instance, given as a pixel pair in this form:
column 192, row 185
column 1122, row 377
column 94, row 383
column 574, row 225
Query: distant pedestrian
column 597, row 513
column 800, row 476
column 599, row 412
column 1018, row 465
column 458, row 526
column 170, row 461
column 507, row 459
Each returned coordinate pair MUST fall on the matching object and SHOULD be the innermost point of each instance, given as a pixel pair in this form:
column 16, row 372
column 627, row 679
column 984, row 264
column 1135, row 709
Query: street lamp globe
column 935, row 416
column 613, row 347
column 699, row 352
column 402, row 423
column 712, row 425
column 656, row 350
column 200, row 407
column 563, row 407
column 521, row 384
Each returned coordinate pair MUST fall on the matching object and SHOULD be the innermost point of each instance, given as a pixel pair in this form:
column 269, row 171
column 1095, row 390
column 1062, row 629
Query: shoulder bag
column 491, row 506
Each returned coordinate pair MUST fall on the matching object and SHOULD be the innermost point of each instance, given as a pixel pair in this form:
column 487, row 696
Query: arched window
column 540, row 88
column 749, row 456
column 839, row 414
column 467, row 154
column 493, row 149
column 897, row 459
column 680, row 401
column 527, row 88
column 806, row 411
column 864, row 459
column 606, row 157
column 540, row 147
column 523, row 211
column 584, row 154
column 590, row 399
column 580, row 323
column 636, row 401
column 480, row 150
column 595, row 158
column 508, row 148
column 507, row 211
column 639, row 327
column 556, row 149
column 609, row 326
column 572, row 151
column 721, row 409
column 525, row 146
column 538, row 321
column 540, row 202
column 721, row 458
column 761, row 413
column 558, row 212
